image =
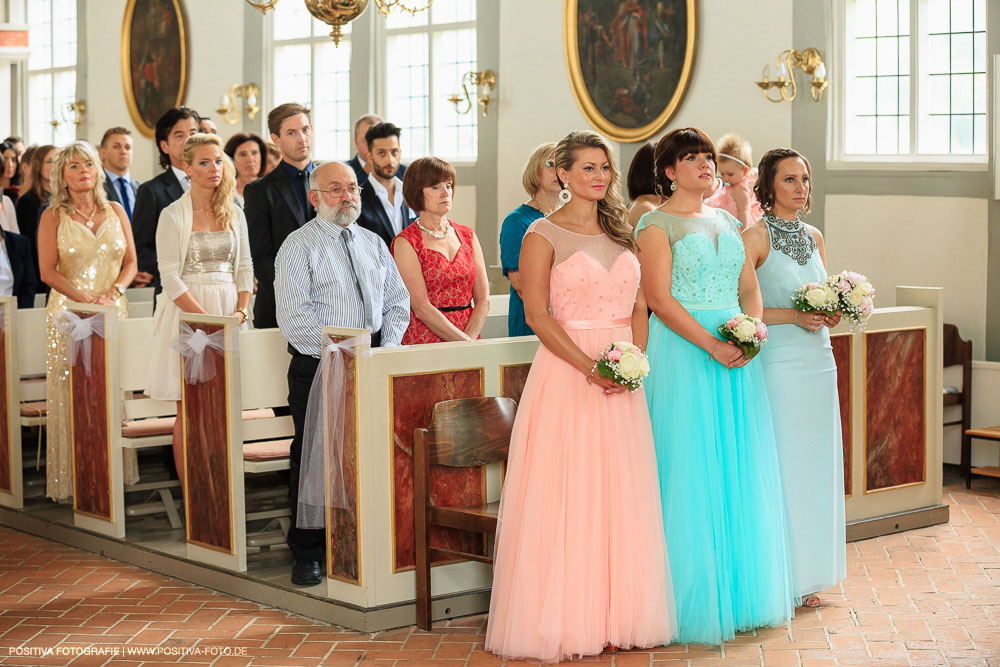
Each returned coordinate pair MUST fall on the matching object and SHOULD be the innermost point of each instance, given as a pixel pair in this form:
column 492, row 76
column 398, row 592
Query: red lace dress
column 449, row 284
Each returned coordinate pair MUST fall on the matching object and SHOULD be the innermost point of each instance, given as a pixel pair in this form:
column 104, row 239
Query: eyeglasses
column 338, row 192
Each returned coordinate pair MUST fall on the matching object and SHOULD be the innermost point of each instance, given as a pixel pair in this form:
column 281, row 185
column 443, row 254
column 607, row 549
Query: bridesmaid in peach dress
column 581, row 562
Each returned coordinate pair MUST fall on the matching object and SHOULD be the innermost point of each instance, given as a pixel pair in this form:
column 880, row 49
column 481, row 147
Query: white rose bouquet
column 747, row 332
column 817, row 298
column 624, row 363
column 856, row 297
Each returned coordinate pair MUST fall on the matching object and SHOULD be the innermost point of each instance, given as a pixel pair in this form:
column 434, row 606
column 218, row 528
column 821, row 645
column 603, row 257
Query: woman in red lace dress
column 440, row 261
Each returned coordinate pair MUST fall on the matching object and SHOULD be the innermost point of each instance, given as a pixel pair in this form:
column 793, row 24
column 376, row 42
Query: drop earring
column 565, row 195
column 673, row 186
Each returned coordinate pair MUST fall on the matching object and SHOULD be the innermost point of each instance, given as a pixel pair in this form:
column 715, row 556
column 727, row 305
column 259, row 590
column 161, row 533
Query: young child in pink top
column 738, row 176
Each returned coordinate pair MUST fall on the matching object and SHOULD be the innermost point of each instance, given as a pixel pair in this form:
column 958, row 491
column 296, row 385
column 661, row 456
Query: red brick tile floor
column 925, row 597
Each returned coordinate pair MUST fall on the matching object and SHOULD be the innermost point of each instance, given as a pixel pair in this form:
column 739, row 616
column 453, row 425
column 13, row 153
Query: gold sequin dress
column 91, row 260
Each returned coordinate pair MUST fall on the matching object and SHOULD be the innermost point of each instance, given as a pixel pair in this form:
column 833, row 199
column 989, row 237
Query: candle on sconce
column 821, row 71
column 782, row 70
column 765, row 73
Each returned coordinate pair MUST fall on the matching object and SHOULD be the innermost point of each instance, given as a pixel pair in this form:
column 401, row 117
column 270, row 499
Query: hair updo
column 767, row 171
column 677, row 145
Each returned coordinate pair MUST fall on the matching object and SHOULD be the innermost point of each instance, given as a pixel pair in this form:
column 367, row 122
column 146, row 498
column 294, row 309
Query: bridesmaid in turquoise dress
column 720, row 485
column 801, row 375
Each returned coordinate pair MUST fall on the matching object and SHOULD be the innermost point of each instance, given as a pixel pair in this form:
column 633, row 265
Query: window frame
column 382, row 33
column 52, row 71
column 912, row 161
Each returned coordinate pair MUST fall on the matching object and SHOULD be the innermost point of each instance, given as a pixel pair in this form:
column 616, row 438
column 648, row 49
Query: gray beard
column 342, row 215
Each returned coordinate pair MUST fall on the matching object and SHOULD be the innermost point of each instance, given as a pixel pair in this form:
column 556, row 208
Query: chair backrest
column 264, row 359
column 134, row 335
column 469, row 432
column 956, row 350
column 31, row 333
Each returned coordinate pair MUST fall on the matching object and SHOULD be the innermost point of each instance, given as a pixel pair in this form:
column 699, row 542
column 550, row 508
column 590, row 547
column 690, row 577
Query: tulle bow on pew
column 80, row 330
column 192, row 343
column 327, row 397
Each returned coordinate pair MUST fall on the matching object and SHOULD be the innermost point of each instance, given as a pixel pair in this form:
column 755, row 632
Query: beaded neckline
column 791, row 238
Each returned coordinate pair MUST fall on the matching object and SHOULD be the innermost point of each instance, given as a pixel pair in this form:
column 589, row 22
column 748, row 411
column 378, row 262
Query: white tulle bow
column 80, row 330
column 192, row 343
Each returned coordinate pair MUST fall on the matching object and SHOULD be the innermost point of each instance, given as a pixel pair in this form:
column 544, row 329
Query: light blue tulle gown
column 723, row 508
column 801, row 380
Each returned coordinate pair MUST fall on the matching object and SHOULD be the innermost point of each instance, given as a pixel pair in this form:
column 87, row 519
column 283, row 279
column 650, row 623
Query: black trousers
column 305, row 544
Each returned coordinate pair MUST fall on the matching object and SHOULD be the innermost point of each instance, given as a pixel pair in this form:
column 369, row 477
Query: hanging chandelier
column 338, row 13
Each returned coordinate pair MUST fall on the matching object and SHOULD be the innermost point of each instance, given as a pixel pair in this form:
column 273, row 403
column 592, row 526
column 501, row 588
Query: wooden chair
column 467, row 432
column 958, row 352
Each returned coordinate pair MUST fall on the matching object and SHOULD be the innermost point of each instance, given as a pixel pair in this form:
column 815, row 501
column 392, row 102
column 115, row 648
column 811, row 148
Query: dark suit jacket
column 29, row 211
column 25, row 275
column 359, row 171
column 273, row 212
column 373, row 216
column 111, row 190
column 150, row 199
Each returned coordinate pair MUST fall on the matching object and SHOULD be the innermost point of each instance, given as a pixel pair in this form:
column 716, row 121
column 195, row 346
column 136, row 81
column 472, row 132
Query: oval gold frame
column 126, row 56
column 586, row 103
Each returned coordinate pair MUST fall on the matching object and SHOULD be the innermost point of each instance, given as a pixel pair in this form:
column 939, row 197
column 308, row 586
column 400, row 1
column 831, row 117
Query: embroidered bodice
column 210, row 252
column 791, row 238
column 708, row 255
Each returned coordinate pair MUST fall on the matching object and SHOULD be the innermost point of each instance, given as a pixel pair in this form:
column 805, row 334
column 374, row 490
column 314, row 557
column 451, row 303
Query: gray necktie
column 348, row 236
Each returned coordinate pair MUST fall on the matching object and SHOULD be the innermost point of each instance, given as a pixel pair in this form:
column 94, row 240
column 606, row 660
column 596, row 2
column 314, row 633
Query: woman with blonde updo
column 85, row 254
column 203, row 253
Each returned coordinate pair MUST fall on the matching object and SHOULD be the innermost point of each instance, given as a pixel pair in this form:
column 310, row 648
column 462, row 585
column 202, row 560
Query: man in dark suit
column 17, row 270
column 172, row 130
column 360, row 163
column 116, row 158
column 383, row 209
column 277, row 204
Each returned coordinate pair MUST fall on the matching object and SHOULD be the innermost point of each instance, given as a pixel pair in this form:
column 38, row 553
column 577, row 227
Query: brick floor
column 927, row 597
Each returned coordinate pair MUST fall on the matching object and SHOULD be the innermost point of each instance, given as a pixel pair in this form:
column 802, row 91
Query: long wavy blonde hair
column 223, row 203
column 78, row 150
column 611, row 210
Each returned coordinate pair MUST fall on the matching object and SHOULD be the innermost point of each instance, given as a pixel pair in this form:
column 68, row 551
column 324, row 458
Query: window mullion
column 431, row 107
column 917, row 82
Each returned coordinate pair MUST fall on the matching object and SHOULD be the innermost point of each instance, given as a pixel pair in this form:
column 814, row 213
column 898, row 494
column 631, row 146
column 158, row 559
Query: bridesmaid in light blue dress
column 801, row 375
column 720, row 485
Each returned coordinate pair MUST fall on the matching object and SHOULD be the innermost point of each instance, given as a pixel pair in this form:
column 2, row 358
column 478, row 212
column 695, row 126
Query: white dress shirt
column 394, row 211
column 182, row 177
column 6, row 272
column 314, row 286
column 8, row 216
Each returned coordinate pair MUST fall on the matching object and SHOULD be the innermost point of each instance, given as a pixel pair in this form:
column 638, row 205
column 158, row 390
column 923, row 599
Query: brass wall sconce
column 809, row 61
column 228, row 108
column 485, row 82
column 77, row 108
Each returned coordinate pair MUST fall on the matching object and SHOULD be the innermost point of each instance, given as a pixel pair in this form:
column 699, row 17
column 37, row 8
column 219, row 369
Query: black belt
column 451, row 309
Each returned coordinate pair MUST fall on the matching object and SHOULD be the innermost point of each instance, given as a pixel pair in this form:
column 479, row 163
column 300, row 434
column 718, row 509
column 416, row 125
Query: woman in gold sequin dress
column 203, row 252
column 85, row 254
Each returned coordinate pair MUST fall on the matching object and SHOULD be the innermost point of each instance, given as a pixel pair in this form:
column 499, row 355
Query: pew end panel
column 893, row 450
column 213, row 455
column 11, row 483
column 397, row 388
column 95, row 413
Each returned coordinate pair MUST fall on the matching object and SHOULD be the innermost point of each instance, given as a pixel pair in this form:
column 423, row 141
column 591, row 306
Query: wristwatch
column 120, row 288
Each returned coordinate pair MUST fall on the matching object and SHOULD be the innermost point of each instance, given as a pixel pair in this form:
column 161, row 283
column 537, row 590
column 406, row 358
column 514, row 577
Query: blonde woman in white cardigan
column 203, row 253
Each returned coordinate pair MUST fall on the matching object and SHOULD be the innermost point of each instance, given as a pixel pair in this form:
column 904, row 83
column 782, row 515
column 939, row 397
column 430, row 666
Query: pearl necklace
column 89, row 222
column 437, row 235
column 204, row 211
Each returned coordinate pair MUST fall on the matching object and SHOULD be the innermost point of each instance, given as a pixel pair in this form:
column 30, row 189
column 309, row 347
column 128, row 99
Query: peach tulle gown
column 581, row 561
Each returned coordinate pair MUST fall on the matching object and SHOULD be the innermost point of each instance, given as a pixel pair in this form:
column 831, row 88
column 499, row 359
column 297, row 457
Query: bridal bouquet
column 856, row 296
column 747, row 332
column 817, row 298
column 624, row 363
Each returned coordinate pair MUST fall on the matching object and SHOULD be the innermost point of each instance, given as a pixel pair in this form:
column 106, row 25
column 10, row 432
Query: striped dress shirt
column 314, row 286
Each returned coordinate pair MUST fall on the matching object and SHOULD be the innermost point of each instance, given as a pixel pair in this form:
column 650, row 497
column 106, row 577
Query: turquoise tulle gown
column 801, row 380
column 723, row 508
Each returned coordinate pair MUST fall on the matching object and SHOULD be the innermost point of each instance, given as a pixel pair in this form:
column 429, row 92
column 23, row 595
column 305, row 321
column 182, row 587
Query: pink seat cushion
column 33, row 409
column 267, row 450
column 140, row 428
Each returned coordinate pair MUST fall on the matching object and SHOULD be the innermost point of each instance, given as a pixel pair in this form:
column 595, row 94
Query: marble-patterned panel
column 512, row 380
column 344, row 558
column 842, row 355
column 413, row 398
column 5, row 417
column 895, row 435
column 206, row 468
column 90, row 434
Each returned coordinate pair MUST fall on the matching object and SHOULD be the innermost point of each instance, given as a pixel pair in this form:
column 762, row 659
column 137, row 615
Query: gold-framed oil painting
column 154, row 60
column 629, row 62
